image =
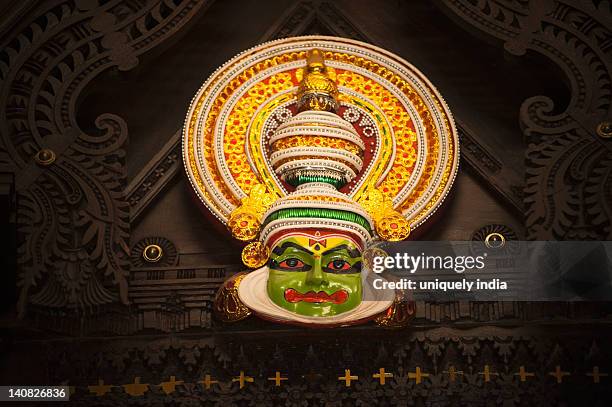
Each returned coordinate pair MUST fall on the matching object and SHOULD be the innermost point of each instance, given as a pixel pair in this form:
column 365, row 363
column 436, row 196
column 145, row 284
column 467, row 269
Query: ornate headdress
column 319, row 132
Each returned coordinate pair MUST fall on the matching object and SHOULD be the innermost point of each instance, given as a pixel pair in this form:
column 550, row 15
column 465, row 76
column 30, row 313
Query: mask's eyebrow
column 351, row 251
column 278, row 250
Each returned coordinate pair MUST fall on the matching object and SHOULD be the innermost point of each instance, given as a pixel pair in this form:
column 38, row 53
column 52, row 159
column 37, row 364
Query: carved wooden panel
column 93, row 96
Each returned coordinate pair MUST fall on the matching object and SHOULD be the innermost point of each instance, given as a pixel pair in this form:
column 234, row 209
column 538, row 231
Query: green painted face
column 315, row 276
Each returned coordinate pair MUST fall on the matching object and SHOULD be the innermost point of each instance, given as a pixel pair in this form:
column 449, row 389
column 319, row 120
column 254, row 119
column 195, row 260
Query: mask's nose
column 316, row 276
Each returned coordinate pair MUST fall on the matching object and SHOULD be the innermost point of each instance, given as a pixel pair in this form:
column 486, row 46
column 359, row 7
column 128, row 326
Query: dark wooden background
column 103, row 86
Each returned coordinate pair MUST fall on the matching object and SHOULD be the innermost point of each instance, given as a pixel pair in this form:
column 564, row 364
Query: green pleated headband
column 325, row 213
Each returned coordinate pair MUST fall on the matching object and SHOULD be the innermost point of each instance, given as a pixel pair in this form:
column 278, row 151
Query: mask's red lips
column 338, row 297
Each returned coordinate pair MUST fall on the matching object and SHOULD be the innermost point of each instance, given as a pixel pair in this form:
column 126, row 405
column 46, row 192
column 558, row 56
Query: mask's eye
column 338, row 265
column 291, row 264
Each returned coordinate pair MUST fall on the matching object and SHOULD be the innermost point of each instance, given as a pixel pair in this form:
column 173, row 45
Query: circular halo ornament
column 400, row 154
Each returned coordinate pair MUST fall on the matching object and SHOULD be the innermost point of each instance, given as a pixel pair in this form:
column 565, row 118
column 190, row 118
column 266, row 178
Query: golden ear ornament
column 255, row 255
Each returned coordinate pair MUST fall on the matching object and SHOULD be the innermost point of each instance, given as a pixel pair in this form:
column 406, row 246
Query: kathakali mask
column 308, row 149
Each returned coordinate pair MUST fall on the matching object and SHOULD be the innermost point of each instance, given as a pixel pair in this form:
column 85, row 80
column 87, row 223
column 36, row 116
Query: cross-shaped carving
column 417, row 375
column 348, row 378
column 596, row 375
column 242, row 379
column 136, row 388
column 100, row 389
column 523, row 375
column 452, row 373
column 487, row 373
column 277, row 379
column 208, row 381
column 382, row 376
column 558, row 374
column 169, row 386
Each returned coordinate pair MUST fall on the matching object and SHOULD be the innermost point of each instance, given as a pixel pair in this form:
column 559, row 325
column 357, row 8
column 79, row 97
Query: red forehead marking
column 322, row 242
